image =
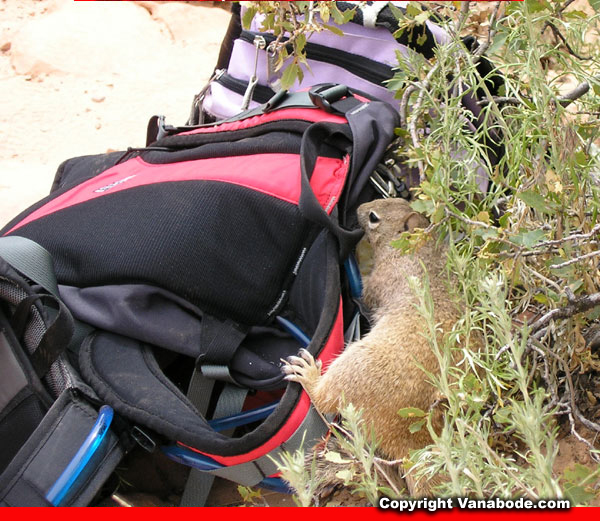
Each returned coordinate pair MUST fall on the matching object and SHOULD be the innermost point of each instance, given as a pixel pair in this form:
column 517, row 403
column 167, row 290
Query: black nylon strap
column 219, row 341
column 308, row 204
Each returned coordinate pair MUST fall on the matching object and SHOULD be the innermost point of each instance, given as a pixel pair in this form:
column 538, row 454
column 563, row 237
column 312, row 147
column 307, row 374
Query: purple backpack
column 363, row 58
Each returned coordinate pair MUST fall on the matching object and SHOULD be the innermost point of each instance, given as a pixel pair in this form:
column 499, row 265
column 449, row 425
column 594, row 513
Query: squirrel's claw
column 303, row 369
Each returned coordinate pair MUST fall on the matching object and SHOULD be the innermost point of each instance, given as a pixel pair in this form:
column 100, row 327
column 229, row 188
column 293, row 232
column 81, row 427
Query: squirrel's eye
column 373, row 217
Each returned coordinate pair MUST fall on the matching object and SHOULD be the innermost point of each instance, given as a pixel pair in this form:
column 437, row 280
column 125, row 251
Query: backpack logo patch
column 112, row 185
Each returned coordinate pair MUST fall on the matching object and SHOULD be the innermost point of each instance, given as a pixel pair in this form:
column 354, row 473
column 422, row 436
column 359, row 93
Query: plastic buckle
column 323, row 96
column 387, row 182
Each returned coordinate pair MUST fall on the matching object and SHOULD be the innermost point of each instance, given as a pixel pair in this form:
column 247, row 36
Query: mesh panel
column 58, row 377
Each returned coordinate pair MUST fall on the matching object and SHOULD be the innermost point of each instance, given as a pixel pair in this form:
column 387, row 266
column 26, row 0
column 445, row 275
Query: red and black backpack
column 192, row 266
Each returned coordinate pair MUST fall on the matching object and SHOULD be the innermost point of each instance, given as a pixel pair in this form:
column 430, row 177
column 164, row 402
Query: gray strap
column 35, row 263
column 230, row 402
column 31, row 259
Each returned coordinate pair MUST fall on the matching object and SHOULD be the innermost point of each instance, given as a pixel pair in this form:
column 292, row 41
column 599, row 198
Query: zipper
column 261, row 93
column 364, row 68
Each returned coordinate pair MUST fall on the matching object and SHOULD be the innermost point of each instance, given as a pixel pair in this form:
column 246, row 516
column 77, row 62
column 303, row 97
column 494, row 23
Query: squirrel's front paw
column 303, row 369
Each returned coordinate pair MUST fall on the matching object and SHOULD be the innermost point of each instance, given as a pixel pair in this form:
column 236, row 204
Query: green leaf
column 595, row 5
column 248, row 16
column 248, row 494
column 397, row 82
column 487, row 233
column 397, row 12
column 345, row 475
column 335, row 30
column 422, row 206
column 335, row 457
column 422, row 39
column 423, row 17
column 411, row 412
column 528, row 239
column 413, row 10
column 416, row 426
column 289, row 76
column 578, row 473
column 497, row 43
column 535, row 200
column 536, row 6
column 340, row 17
column 577, row 15
column 578, row 495
column 300, row 43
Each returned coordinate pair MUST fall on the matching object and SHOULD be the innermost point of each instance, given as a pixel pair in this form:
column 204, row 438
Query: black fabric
column 233, row 31
column 231, row 258
column 125, row 374
column 48, row 451
column 306, row 295
column 309, row 206
column 70, row 173
column 256, row 363
column 271, row 143
column 373, row 130
column 146, row 313
column 231, row 136
column 219, row 341
column 78, row 169
column 21, row 415
column 260, row 94
column 18, row 420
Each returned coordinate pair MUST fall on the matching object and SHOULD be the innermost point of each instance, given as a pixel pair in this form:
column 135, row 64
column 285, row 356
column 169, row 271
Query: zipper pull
column 259, row 43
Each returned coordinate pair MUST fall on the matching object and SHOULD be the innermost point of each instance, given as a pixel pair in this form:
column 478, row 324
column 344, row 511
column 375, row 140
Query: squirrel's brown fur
column 381, row 373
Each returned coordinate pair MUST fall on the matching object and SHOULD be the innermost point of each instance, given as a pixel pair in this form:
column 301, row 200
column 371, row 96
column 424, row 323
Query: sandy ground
column 81, row 78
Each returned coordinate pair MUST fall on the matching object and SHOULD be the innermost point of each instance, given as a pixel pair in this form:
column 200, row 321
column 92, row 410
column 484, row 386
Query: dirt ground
column 82, row 78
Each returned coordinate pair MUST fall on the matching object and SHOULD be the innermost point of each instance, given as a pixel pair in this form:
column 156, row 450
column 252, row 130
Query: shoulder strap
column 31, row 259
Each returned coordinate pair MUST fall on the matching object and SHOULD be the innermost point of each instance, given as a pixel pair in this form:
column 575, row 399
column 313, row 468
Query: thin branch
column 560, row 36
column 576, row 259
column 578, row 306
column 565, row 5
column 493, row 29
column 573, row 237
column 501, row 100
column 464, row 14
column 576, row 93
column 542, row 278
column 408, row 92
column 412, row 123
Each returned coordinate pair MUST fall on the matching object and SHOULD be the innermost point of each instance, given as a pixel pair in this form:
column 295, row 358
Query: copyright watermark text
column 464, row 503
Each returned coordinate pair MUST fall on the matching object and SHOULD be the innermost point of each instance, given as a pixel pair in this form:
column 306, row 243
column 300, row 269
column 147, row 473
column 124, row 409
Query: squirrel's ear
column 415, row 220
column 374, row 219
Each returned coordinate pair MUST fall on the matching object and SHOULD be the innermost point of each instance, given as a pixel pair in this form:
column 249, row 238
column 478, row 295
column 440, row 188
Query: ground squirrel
column 380, row 373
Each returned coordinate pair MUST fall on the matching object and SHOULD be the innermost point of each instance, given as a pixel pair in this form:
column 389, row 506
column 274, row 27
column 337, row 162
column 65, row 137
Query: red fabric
column 266, row 173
